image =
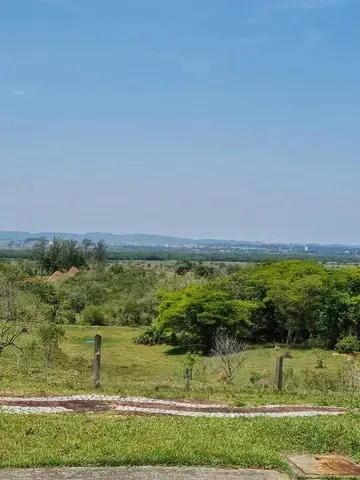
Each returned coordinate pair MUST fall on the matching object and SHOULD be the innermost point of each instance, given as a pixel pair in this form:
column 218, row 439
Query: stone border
column 150, row 406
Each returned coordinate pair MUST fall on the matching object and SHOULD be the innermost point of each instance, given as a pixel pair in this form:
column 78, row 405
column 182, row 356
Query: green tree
column 196, row 313
column 349, row 345
column 100, row 252
column 40, row 255
column 18, row 313
column 87, row 243
column 182, row 268
column 59, row 255
column 68, row 254
column 49, row 336
column 201, row 270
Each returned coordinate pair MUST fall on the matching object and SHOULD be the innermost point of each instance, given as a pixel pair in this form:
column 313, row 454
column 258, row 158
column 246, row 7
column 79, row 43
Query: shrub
column 321, row 357
column 343, row 379
column 255, row 378
column 349, row 344
column 49, row 335
column 152, row 336
column 131, row 313
column 78, row 301
column 229, row 353
column 93, row 315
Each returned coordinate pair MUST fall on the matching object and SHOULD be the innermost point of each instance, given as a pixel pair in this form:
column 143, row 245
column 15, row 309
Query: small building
column 56, row 276
column 59, row 275
column 72, row 272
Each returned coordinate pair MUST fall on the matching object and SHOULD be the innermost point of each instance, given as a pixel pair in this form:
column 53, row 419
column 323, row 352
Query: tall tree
column 100, row 253
column 87, row 243
column 40, row 255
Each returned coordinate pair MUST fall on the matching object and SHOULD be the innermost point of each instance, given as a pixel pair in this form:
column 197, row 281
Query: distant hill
column 148, row 240
column 117, row 239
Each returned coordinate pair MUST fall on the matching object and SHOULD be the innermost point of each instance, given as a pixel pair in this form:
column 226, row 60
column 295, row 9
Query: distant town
column 147, row 242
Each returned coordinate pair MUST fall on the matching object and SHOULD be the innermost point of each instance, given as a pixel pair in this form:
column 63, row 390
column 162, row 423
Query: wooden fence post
column 279, row 372
column 97, row 358
column 187, row 377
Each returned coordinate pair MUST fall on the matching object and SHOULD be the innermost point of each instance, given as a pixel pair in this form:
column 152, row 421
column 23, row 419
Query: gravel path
column 149, row 406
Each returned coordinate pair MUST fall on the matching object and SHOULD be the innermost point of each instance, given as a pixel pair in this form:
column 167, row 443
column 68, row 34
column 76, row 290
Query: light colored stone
column 141, row 473
column 28, row 410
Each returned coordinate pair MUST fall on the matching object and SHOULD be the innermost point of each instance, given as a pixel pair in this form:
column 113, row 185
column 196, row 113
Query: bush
column 49, row 336
column 321, row 357
column 344, row 379
column 152, row 336
column 349, row 344
column 93, row 315
column 130, row 312
column 78, row 301
column 255, row 378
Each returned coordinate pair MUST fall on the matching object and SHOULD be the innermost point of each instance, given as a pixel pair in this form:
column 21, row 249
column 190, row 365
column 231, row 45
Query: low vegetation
column 49, row 441
column 177, row 330
column 129, row 368
column 152, row 317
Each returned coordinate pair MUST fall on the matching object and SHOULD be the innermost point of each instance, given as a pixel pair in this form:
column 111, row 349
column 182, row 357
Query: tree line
column 289, row 302
column 62, row 254
column 156, row 254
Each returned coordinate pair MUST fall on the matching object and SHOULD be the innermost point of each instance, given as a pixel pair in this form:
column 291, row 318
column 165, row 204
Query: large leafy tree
column 195, row 314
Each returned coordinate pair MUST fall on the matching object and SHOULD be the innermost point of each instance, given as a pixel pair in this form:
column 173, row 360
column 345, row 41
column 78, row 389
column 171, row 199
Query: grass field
column 82, row 440
column 131, row 369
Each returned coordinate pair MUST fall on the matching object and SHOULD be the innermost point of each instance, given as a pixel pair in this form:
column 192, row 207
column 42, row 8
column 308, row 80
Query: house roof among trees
column 58, row 274
column 72, row 272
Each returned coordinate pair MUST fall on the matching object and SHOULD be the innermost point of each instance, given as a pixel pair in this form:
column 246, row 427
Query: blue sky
column 200, row 118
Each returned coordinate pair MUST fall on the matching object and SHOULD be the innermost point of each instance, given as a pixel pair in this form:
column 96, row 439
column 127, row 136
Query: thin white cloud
column 308, row 4
column 204, row 60
column 47, row 2
column 15, row 92
column 268, row 8
column 311, row 38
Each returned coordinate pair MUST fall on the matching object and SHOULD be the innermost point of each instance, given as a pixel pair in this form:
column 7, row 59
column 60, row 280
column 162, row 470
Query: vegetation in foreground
column 49, row 441
column 129, row 368
column 45, row 330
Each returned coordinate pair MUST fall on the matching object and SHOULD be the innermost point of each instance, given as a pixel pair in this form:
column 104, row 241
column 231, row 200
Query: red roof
column 56, row 276
column 72, row 272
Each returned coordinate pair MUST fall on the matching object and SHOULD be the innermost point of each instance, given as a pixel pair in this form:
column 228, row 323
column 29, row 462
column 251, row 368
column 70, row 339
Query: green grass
column 131, row 369
column 82, row 440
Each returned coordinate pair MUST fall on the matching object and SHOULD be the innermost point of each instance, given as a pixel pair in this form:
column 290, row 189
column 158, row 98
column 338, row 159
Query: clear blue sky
column 202, row 118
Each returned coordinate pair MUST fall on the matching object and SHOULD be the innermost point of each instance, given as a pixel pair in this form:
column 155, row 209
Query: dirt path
column 148, row 406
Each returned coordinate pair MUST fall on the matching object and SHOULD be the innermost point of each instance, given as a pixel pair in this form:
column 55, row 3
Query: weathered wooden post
column 188, row 376
column 279, row 372
column 97, row 358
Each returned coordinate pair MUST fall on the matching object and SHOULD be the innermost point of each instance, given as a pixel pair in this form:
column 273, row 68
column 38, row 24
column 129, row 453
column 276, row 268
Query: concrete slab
column 323, row 465
column 141, row 473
